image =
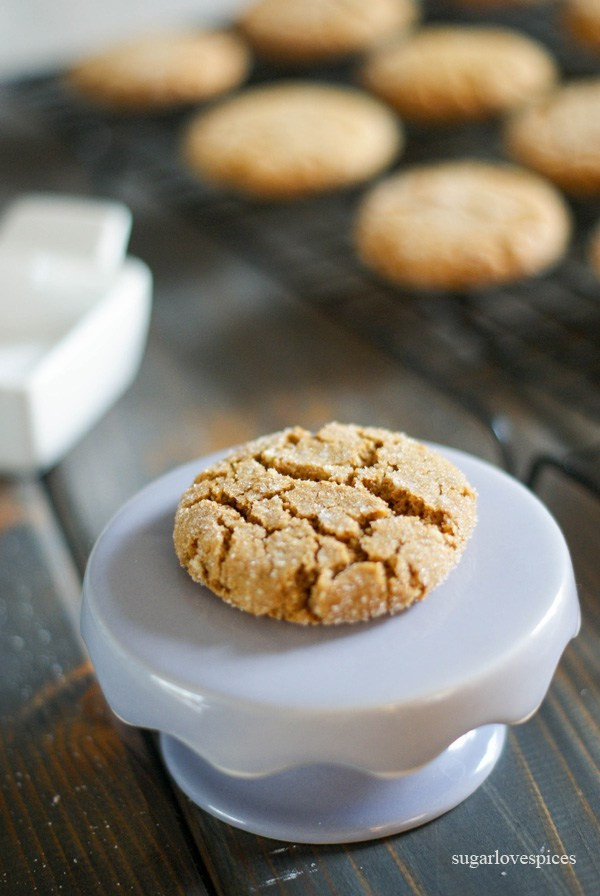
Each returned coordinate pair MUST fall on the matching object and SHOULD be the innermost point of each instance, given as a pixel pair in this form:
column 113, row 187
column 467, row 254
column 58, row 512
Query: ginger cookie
column 343, row 525
column 461, row 225
column 306, row 31
column 446, row 74
column 582, row 21
column 292, row 139
column 161, row 71
column 559, row 137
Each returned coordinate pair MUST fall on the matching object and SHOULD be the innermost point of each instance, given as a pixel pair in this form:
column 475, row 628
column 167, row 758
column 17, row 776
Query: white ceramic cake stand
column 331, row 734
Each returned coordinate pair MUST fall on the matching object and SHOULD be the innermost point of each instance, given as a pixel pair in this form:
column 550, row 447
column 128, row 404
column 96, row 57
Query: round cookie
column 457, row 73
column 559, row 136
column 582, row 21
column 341, row 526
column 305, row 31
column 162, row 70
column 461, row 225
column 292, row 139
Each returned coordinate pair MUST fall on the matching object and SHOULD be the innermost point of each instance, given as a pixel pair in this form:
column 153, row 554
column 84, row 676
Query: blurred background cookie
column 455, row 73
column 304, row 31
column 458, row 225
column 162, row 70
column 582, row 21
column 594, row 250
column 292, row 139
column 559, row 136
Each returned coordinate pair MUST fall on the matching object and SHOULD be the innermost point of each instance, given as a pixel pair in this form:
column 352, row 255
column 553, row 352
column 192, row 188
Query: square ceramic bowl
column 74, row 315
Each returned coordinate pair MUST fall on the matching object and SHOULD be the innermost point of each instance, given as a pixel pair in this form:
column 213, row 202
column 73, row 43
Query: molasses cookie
column 559, row 136
column 459, row 225
column 287, row 140
column 306, row 31
column 582, row 20
column 160, row 71
column 342, row 525
column 457, row 73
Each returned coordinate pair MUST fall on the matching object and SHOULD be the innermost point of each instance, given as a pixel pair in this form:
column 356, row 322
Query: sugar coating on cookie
column 455, row 73
column 314, row 30
column 461, row 225
column 292, row 139
column 157, row 71
column 343, row 525
column 559, row 136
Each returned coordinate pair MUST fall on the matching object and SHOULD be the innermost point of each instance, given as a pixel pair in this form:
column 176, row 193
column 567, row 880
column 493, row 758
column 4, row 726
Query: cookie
column 458, row 73
column 292, row 139
column 306, row 31
column 460, row 225
column 163, row 70
column 559, row 136
column 582, row 21
column 341, row 526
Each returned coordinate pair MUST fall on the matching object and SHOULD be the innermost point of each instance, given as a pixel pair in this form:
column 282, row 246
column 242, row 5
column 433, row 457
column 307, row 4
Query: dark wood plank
column 83, row 805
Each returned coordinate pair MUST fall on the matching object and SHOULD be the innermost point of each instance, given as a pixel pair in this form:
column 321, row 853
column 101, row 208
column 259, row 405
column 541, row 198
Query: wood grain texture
column 82, row 808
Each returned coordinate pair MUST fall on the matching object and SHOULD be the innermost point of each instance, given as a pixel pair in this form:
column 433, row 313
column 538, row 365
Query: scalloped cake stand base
column 332, row 804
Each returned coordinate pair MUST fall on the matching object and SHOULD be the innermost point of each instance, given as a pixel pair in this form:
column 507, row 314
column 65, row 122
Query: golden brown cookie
column 286, row 140
column 458, row 225
column 582, row 21
column 341, row 526
column 455, row 73
column 559, row 136
column 305, row 31
column 162, row 70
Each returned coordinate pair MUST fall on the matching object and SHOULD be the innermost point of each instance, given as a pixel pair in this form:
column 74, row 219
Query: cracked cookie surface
column 343, row 525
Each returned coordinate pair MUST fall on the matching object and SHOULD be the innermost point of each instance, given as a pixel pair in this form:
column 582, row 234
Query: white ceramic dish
column 407, row 713
column 74, row 314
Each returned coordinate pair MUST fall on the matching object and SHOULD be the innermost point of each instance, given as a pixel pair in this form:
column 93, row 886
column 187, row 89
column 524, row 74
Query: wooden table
column 85, row 803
